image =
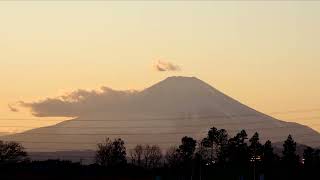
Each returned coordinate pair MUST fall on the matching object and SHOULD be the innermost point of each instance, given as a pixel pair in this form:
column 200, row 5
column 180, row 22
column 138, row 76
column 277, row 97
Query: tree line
column 217, row 156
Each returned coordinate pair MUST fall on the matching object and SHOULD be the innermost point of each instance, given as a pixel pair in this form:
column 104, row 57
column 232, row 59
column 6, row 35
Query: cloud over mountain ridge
column 160, row 114
column 80, row 102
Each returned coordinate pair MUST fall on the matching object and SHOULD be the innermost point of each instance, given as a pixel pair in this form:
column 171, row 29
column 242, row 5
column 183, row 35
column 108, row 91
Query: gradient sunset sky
column 264, row 54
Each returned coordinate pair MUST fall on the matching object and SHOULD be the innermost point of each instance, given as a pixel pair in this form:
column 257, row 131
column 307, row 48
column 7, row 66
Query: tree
column 255, row 151
column 186, row 152
column 111, row 153
column 156, row 156
column 255, row 148
column 289, row 155
column 12, row 152
column 242, row 136
column 308, row 156
column 173, row 158
column 137, row 155
column 221, row 144
column 217, row 141
column 146, row 155
column 152, row 156
column 311, row 157
column 202, row 154
column 187, row 148
column 238, row 149
column 209, row 141
column 268, row 156
column 311, row 162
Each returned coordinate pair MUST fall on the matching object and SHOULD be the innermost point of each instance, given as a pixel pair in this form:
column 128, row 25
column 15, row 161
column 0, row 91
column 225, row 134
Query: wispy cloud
column 166, row 66
column 12, row 108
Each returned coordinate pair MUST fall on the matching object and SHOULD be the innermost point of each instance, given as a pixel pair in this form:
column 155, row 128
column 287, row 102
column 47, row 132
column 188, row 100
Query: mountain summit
column 160, row 114
column 190, row 95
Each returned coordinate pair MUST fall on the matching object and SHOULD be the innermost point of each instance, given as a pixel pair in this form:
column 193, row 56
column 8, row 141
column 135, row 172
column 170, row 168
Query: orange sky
column 264, row 54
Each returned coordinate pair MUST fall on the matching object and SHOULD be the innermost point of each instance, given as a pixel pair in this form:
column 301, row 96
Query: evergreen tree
column 309, row 157
column 255, row 148
column 289, row 155
column 217, row 141
column 268, row 159
column 255, row 152
column 209, row 142
column 268, row 156
column 238, row 149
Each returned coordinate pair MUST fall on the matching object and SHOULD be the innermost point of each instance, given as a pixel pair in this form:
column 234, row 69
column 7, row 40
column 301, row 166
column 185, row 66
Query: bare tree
column 152, row 156
column 136, row 155
column 155, row 156
column 148, row 156
column 111, row 153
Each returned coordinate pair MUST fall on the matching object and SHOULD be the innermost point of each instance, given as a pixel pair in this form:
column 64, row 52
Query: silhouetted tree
column 203, row 153
column 255, row 148
column 311, row 160
column 238, row 154
column 187, row 161
column 290, row 159
column 111, row 153
column 187, row 148
column 209, row 142
column 217, row 141
column 308, row 156
column 12, row 152
column 255, row 151
column 183, row 159
column 268, row 156
column 173, row 158
column 316, row 156
column 238, row 148
column 152, row 156
column 136, row 155
column 311, row 157
column 289, row 155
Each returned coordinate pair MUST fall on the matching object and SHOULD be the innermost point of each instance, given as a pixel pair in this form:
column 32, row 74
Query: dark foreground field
column 65, row 170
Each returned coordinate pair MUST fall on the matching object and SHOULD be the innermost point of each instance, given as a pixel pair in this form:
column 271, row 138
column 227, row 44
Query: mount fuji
column 160, row 114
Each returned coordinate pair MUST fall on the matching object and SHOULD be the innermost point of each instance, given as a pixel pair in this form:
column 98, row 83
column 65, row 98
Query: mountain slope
column 162, row 114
